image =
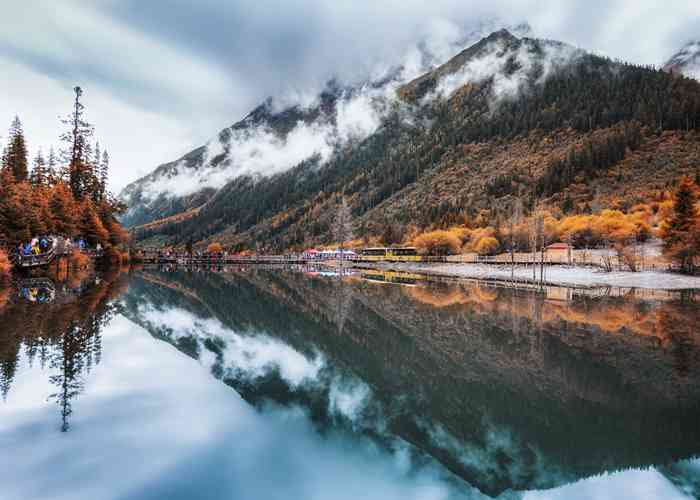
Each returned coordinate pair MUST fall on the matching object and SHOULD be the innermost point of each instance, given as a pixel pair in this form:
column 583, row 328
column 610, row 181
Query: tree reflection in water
column 63, row 332
column 507, row 388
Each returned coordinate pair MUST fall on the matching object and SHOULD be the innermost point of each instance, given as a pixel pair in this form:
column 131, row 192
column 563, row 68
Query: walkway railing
column 31, row 260
column 45, row 258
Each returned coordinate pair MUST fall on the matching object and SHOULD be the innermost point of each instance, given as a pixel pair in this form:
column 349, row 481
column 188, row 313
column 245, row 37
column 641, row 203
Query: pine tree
column 117, row 234
column 39, row 175
column 14, row 216
column 96, row 184
column 91, row 227
column 16, row 152
column 97, row 156
column 679, row 230
column 77, row 145
column 52, row 174
column 104, row 172
column 64, row 211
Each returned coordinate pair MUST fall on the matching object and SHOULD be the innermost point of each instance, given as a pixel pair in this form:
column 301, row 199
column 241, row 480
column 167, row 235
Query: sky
column 162, row 77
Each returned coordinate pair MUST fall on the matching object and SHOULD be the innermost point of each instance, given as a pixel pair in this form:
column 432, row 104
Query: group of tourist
column 42, row 244
column 37, row 246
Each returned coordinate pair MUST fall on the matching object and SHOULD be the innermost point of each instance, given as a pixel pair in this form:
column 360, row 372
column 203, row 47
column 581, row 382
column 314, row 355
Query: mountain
column 246, row 148
column 686, row 61
column 506, row 118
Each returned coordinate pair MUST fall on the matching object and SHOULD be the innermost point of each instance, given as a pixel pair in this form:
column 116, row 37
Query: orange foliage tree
column 681, row 230
column 71, row 203
column 215, row 248
column 437, row 243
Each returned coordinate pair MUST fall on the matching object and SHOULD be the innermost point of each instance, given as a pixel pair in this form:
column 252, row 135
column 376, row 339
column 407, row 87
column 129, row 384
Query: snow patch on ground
column 558, row 275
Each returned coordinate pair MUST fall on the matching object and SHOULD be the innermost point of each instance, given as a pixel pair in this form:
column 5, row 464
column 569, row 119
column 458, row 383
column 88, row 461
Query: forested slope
column 552, row 125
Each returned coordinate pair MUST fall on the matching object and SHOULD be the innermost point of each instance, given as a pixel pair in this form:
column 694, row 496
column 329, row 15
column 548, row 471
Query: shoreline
column 564, row 276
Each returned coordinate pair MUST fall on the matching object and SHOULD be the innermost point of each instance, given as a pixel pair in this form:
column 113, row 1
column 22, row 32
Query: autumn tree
column 215, row 247
column 64, row 210
column 438, row 243
column 679, row 231
column 69, row 203
column 117, row 234
column 13, row 222
column 90, row 225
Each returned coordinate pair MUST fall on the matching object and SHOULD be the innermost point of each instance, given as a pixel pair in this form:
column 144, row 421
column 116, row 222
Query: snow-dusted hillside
column 274, row 138
column 686, row 61
column 404, row 135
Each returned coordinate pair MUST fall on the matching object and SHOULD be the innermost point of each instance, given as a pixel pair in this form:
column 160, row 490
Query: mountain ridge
column 509, row 88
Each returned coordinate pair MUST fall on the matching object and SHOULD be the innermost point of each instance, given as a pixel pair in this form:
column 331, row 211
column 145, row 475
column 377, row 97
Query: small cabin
column 559, row 253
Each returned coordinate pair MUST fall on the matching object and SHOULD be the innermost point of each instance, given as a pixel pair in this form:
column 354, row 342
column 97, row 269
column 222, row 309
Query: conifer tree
column 63, row 209
column 117, row 234
column 39, row 176
column 52, row 174
column 679, row 230
column 97, row 157
column 77, row 145
column 91, row 226
column 104, row 172
column 16, row 152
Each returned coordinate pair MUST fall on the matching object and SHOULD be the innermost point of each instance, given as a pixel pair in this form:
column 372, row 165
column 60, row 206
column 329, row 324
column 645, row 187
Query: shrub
column 487, row 245
column 215, row 248
column 5, row 266
column 463, row 233
column 437, row 243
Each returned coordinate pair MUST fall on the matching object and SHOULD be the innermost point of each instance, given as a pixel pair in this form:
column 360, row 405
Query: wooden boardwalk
column 62, row 248
column 225, row 259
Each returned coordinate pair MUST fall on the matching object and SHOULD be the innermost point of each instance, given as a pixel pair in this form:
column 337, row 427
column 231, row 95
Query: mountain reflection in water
column 399, row 387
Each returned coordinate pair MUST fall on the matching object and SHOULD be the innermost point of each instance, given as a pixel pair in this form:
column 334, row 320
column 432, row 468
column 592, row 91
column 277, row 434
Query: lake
column 252, row 383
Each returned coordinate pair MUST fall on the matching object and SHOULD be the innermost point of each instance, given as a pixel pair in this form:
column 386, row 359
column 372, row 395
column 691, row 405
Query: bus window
column 375, row 252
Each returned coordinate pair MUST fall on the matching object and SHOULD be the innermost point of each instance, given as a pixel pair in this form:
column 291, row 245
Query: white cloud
column 493, row 64
column 160, row 81
column 152, row 423
column 260, row 151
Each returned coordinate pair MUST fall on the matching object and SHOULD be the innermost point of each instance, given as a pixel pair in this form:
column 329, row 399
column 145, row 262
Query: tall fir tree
column 39, row 175
column 104, row 173
column 77, row 147
column 64, row 210
column 679, row 231
column 52, row 173
column 97, row 184
column 91, row 227
column 16, row 152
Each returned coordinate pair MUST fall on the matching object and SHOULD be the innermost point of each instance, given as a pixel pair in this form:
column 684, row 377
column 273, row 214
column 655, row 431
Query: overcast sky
column 161, row 77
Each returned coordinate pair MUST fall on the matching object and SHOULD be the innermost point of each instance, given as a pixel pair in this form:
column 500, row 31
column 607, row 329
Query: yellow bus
column 394, row 277
column 403, row 254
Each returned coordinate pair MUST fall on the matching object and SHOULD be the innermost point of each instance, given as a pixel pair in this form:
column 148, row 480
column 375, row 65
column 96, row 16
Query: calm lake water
column 285, row 384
